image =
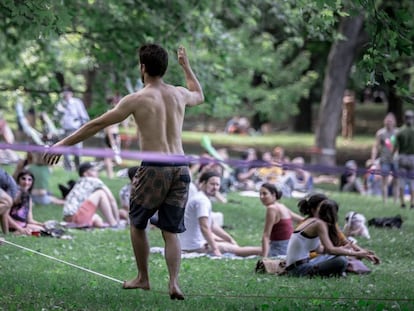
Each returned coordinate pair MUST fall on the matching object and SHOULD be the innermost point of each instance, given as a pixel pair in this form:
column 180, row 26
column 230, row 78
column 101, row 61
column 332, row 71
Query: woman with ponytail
column 278, row 223
column 308, row 207
column 319, row 232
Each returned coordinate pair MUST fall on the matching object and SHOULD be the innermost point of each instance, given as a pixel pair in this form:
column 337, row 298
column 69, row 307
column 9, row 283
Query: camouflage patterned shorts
column 163, row 188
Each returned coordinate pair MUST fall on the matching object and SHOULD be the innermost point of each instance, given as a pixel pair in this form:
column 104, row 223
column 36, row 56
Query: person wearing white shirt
column 202, row 235
column 71, row 114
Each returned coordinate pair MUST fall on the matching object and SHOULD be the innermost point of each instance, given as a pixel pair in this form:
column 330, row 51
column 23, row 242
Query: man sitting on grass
column 87, row 196
column 202, row 234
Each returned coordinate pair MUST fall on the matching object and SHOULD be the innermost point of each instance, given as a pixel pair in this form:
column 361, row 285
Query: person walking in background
column 71, row 113
column 383, row 148
column 113, row 141
column 404, row 145
column 8, row 193
column 158, row 110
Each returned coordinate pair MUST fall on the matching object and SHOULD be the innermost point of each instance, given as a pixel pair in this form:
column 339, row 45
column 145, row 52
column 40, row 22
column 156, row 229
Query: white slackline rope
column 65, row 262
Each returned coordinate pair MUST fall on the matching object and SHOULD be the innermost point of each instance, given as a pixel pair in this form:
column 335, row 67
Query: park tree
column 85, row 43
column 254, row 57
column 93, row 45
column 377, row 38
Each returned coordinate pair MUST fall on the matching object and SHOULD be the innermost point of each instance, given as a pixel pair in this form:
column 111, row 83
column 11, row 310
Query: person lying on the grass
column 278, row 225
column 308, row 207
column 20, row 218
column 320, row 233
column 203, row 235
column 87, row 196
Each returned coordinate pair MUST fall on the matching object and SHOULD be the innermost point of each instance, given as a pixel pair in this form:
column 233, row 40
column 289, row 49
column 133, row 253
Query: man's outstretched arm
column 196, row 95
column 87, row 130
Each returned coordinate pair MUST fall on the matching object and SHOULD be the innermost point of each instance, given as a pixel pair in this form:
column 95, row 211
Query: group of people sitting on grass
column 256, row 168
column 316, row 247
column 87, row 202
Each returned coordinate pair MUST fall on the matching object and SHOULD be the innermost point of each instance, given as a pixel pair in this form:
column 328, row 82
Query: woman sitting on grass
column 41, row 172
column 20, row 217
column 320, row 233
column 308, row 207
column 278, row 223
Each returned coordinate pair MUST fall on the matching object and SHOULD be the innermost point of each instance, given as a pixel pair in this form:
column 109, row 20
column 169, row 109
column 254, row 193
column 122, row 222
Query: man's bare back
column 158, row 110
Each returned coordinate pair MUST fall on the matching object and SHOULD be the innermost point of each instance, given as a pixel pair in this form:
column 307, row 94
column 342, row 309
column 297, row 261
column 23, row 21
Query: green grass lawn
column 32, row 282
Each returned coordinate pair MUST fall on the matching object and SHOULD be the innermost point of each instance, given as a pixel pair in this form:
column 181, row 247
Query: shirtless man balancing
column 158, row 110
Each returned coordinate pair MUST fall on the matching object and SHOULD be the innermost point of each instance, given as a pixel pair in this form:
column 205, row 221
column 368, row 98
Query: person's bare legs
column 4, row 224
column 242, row 251
column 411, row 187
column 384, row 181
column 141, row 251
column 97, row 221
column 401, row 184
column 100, row 199
column 395, row 189
column 109, row 168
column 173, row 260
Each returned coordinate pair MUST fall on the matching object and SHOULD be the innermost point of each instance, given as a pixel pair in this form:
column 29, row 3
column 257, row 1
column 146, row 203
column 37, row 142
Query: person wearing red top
column 278, row 223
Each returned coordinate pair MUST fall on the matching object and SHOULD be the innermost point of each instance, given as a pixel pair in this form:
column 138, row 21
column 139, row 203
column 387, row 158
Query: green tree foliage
column 92, row 45
column 251, row 55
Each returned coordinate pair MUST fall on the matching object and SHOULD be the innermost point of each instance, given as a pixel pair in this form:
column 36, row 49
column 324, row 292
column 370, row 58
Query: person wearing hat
column 71, row 113
column 88, row 196
column 404, row 145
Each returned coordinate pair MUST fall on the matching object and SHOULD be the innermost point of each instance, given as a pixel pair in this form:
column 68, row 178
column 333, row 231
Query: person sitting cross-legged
column 87, row 196
column 202, row 234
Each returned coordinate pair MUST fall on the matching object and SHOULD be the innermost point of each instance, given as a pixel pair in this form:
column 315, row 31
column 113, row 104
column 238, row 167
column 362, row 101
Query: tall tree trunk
column 395, row 104
column 303, row 121
column 340, row 60
column 89, row 80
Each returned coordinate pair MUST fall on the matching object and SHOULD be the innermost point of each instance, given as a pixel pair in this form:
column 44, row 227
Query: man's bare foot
column 136, row 283
column 176, row 293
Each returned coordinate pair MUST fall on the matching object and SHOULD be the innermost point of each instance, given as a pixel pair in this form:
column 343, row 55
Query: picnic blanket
column 160, row 250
